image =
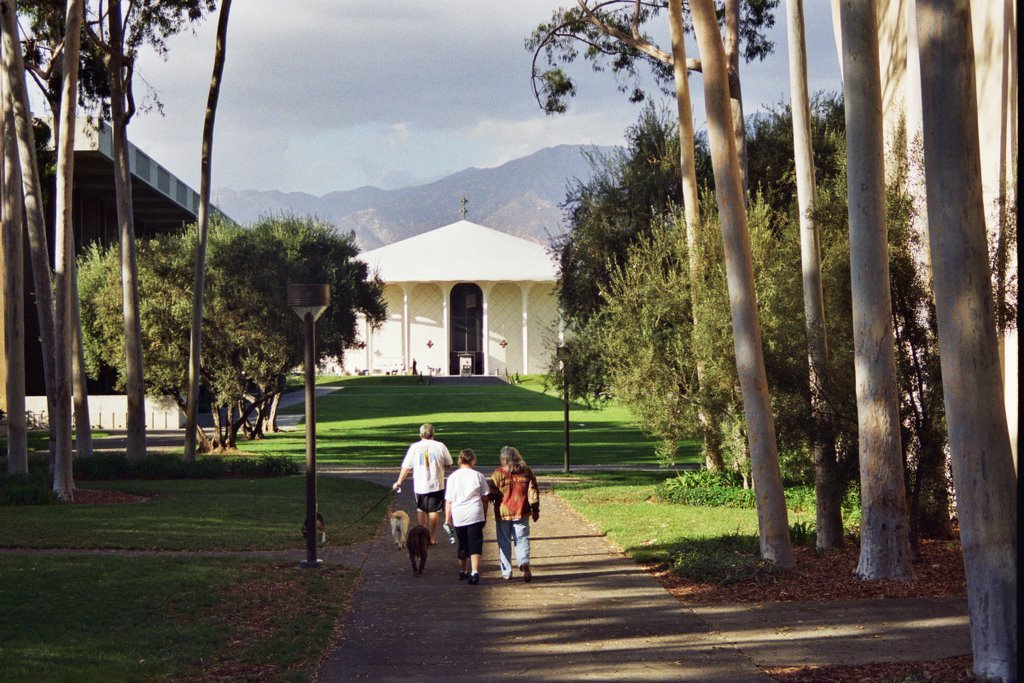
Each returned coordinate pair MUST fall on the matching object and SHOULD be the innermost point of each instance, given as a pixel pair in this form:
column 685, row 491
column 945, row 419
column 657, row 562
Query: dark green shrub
column 157, row 466
column 112, row 466
column 101, row 467
column 205, row 467
column 803, row 533
column 722, row 560
column 709, row 489
column 25, row 489
column 263, row 466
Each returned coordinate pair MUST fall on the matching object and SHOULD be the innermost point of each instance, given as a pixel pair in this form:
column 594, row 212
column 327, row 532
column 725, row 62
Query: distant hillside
column 521, row 197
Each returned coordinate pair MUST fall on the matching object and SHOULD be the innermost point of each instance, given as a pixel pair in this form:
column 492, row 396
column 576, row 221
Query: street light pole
column 308, row 302
column 563, row 356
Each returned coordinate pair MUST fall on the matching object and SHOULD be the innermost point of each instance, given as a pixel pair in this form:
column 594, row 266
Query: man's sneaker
column 474, row 579
column 526, row 573
column 462, row 575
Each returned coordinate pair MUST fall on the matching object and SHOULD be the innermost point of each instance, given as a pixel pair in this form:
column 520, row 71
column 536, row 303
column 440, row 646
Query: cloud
column 322, row 95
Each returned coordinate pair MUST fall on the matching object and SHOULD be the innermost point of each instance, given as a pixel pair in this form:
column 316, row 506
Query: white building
column 462, row 299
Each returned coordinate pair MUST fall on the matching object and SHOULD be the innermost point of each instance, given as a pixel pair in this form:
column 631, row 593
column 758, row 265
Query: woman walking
column 516, row 498
column 465, row 508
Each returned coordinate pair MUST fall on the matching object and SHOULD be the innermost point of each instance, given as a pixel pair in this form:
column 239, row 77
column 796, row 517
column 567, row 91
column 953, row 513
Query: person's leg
column 521, row 531
column 434, row 517
column 421, row 517
column 475, row 534
column 503, row 530
column 462, row 551
column 521, row 537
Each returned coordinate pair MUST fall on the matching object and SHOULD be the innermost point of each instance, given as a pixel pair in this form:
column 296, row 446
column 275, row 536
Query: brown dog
column 418, row 543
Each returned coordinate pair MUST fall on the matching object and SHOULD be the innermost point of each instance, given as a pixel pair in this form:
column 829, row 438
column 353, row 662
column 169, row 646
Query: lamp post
column 308, row 302
column 563, row 361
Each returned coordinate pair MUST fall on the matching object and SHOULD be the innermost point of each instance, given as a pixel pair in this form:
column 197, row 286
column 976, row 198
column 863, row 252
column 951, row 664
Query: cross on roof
column 462, row 206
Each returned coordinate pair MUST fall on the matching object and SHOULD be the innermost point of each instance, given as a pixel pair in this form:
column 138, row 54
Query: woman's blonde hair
column 511, row 460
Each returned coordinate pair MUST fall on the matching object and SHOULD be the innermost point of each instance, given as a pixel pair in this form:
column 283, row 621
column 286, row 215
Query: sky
column 330, row 95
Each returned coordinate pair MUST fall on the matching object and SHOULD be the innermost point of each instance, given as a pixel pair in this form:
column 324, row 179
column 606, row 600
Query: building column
column 486, row 341
column 405, row 327
column 369, row 347
column 525, row 289
column 446, row 343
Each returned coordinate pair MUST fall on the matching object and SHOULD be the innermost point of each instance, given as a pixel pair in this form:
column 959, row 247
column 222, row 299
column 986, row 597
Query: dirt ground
column 938, row 572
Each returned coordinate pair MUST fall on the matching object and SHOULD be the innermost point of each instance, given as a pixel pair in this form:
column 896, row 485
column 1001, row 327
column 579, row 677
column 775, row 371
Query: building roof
column 462, row 252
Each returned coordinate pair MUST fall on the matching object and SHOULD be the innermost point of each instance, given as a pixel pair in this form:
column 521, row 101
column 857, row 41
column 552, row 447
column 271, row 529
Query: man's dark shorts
column 430, row 502
column 471, row 539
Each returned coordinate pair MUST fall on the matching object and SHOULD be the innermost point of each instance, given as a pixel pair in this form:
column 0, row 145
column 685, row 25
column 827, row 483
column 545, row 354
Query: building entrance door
column 467, row 329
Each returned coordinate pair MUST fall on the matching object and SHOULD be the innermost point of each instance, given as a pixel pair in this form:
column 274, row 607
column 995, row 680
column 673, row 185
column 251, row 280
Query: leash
column 374, row 506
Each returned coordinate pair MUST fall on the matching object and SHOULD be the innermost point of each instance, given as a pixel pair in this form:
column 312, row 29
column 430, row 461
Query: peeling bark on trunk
column 827, row 482
column 732, row 54
column 885, row 534
column 983, row 470
column 773, row 525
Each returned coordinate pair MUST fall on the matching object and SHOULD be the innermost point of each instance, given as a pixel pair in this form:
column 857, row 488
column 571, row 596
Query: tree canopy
column 252, row 339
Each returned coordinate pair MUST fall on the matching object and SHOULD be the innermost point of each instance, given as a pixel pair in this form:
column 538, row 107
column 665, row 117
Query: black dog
column 418, row 543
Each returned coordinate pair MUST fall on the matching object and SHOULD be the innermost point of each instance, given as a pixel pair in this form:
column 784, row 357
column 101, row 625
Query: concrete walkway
column 591, row 614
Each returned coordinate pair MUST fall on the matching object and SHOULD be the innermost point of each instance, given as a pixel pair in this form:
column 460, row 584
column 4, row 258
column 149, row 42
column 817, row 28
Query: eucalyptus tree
column 14, row 84
column 773, row 526
column 612, row 29
column 199, row 274
column 885, row 551
column 64, row 250
column 46, row 61
column 983, row 468
column 148, row 22
column 11, row 259
column 828, row 488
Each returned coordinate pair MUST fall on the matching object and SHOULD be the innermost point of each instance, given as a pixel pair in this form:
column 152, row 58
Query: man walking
column 428, row 461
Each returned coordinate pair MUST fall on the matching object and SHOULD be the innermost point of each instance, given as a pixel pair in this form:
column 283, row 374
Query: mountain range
column 521, row 197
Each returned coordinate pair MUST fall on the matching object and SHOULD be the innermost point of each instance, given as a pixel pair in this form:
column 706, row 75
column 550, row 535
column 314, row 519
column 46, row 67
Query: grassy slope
column 371, row 421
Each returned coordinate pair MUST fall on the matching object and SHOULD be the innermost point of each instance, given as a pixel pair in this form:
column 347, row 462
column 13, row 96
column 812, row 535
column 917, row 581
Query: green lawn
column 372, row 420
column 622, row 505
column 218, row 514
column 104, row 618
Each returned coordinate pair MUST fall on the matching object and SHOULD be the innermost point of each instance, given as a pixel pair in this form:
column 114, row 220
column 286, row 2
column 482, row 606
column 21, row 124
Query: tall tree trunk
column 14, row 292
column 272, row 419
column 827, row 482
column 732, row 54
column 885, row 536
column 983, row 470
column 83, row 421
column 14, row 74
column 64, row 250
column 134, row 384
column 691, row 210
column 773, row 525
column 199, row 276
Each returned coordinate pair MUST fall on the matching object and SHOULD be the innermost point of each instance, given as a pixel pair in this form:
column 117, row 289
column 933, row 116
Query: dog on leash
column 418, row 543
column 399, row 523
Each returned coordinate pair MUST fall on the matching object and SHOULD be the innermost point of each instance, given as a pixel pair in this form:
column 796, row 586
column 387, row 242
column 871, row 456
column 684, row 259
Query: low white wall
column 111, row 411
